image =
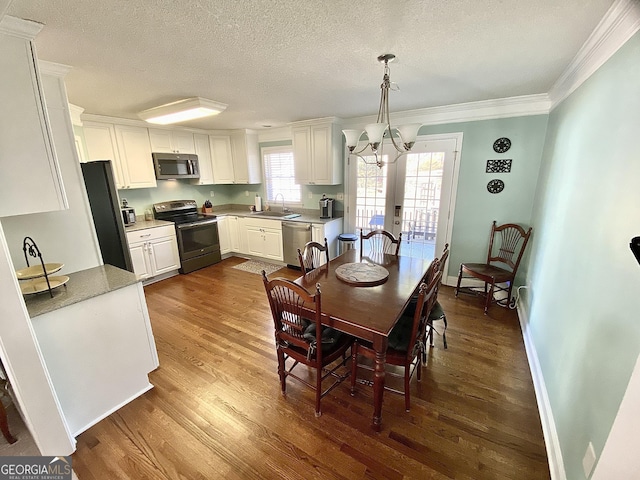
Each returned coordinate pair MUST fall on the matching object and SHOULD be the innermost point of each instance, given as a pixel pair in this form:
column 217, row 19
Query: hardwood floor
column 216, row 410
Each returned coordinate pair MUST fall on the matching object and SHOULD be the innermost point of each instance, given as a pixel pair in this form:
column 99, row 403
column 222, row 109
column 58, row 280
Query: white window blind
column 279, row 172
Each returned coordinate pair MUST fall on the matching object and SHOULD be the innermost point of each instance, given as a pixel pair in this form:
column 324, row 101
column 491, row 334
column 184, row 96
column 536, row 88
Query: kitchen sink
column 278, row 214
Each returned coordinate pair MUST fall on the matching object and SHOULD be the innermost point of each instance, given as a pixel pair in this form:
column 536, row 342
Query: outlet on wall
column 340, row 196
column 212, row 193
column 588, row 460
column 246, row 193
column 310, row 195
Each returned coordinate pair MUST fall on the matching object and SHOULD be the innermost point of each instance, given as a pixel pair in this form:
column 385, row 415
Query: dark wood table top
column 366, row 311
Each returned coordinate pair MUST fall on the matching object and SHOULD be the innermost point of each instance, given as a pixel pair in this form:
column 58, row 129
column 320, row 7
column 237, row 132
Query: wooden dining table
column 367, row 312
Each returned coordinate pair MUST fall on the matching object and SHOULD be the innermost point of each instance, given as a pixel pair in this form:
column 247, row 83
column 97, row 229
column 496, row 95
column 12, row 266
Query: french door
column 414, row 196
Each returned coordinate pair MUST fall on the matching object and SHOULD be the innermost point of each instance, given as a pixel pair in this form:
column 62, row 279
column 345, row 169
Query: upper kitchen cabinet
column 31, row 180
column 204, row 160
column 236, row 158
column 129, row 149
column 317, row 151
column 171, row 141
column 135, row 155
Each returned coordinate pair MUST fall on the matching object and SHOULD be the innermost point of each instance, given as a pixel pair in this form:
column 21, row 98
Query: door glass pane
column 421, row 205
column 371, row 195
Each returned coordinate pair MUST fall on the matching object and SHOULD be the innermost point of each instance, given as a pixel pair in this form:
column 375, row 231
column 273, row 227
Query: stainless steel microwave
column 170, row 166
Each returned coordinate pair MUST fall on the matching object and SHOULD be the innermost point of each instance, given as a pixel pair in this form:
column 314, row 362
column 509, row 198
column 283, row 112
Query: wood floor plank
column 216, row 410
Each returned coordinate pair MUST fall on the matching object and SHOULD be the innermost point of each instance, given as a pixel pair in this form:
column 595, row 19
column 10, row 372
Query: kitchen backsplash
column 143, row 198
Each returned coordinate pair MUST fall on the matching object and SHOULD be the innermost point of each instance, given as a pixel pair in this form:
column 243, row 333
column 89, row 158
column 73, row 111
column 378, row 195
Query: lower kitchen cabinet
column 228, row 233
column 330, row 231
column 154, row 251
column 264, row 238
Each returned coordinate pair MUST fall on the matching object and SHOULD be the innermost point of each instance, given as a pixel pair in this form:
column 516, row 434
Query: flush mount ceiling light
column 182, row 110
column 376, row 132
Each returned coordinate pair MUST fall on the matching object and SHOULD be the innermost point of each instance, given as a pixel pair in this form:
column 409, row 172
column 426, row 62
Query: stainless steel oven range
column 197, row 234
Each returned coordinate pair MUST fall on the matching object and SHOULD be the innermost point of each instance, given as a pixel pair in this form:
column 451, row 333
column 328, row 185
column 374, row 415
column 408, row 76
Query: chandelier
column 376, row 132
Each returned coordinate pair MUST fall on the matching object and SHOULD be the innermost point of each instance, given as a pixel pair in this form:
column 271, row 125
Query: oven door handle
column 186, row 226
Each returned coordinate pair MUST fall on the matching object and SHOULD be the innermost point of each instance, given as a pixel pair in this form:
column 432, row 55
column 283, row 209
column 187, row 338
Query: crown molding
column 54, row 69
column 75, row 112
column 18, row 27
column 314, row 121
column 468, row 112
column 617, row 26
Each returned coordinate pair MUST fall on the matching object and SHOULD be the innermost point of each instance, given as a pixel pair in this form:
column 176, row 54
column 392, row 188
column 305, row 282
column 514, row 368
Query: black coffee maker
column 326, row 207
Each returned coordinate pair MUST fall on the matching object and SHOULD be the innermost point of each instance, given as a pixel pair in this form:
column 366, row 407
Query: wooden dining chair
column 311, row 257
column 380, row 241
column 406, row 340
column 296, row 316
column 437, row 312
column 506, row 245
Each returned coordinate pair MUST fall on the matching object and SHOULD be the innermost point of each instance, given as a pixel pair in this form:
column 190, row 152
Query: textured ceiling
column 277, row 61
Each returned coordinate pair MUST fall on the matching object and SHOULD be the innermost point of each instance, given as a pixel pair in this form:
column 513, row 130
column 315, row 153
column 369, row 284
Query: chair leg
column 354, row 367
column 318, row 389
column 281, row 373
column 489, row 299
column 444, row 332
column 407, row 401
column 4, row 425
column 430, row 332
column 459, row 280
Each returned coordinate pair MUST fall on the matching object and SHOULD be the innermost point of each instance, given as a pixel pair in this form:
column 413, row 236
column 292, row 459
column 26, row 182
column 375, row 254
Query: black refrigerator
column 107, row 217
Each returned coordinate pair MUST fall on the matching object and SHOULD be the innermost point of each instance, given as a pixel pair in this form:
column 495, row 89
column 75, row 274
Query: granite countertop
column 306, row 216
column 142, row 224
column 81, row 286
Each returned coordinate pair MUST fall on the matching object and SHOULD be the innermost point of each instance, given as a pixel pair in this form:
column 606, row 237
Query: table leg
column 380, row 346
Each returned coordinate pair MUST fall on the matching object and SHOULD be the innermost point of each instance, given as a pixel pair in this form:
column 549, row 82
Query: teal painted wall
column 475, row 207
column 584, row 300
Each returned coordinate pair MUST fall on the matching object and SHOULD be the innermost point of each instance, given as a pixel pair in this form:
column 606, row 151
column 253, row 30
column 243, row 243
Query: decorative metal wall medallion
column 495, row 186
column 501, row 145
column 499, row 165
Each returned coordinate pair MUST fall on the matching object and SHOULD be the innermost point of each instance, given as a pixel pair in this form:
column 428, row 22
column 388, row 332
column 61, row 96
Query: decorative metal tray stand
column 34, row 274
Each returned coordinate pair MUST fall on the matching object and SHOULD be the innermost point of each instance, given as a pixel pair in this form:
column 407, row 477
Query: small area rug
column 256, row 266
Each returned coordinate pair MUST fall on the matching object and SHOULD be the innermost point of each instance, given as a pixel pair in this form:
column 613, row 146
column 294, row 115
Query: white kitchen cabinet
column 154, row 251
column 317, row 152
column 223, row 234
column 329, row 230
column 234, row 234
column 135, row 157
column 204, row 160
column 127, row 147
column 100, row 141
column 247, row 167
column 171, row 141
column 236, row 158
column 221, row 159
column 264, row 238
column 31, row 181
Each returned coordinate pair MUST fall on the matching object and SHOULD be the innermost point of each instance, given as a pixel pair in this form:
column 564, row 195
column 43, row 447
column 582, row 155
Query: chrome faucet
column 275, row 199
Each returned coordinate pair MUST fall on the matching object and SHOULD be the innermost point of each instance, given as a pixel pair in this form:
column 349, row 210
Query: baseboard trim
column 117, row 407
column 552, row 443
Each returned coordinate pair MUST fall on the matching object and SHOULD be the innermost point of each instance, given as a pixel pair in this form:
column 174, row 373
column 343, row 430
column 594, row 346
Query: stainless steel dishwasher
column 294, row 236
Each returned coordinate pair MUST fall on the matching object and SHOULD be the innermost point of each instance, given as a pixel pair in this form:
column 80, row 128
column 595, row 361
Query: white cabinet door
column 317, row 233
column 204, row 160
column 234, row 234
column 163, row 255
column 272, row 244
column 182, row 142
column 221, row 159
column 140, row 259
column 160, row 141
column 171, row 141
column 100, row 141
column 317, row 152
column 255, row 241
column 31, row 181
column 223, row 234
column 135, row 155
column 302, row 154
